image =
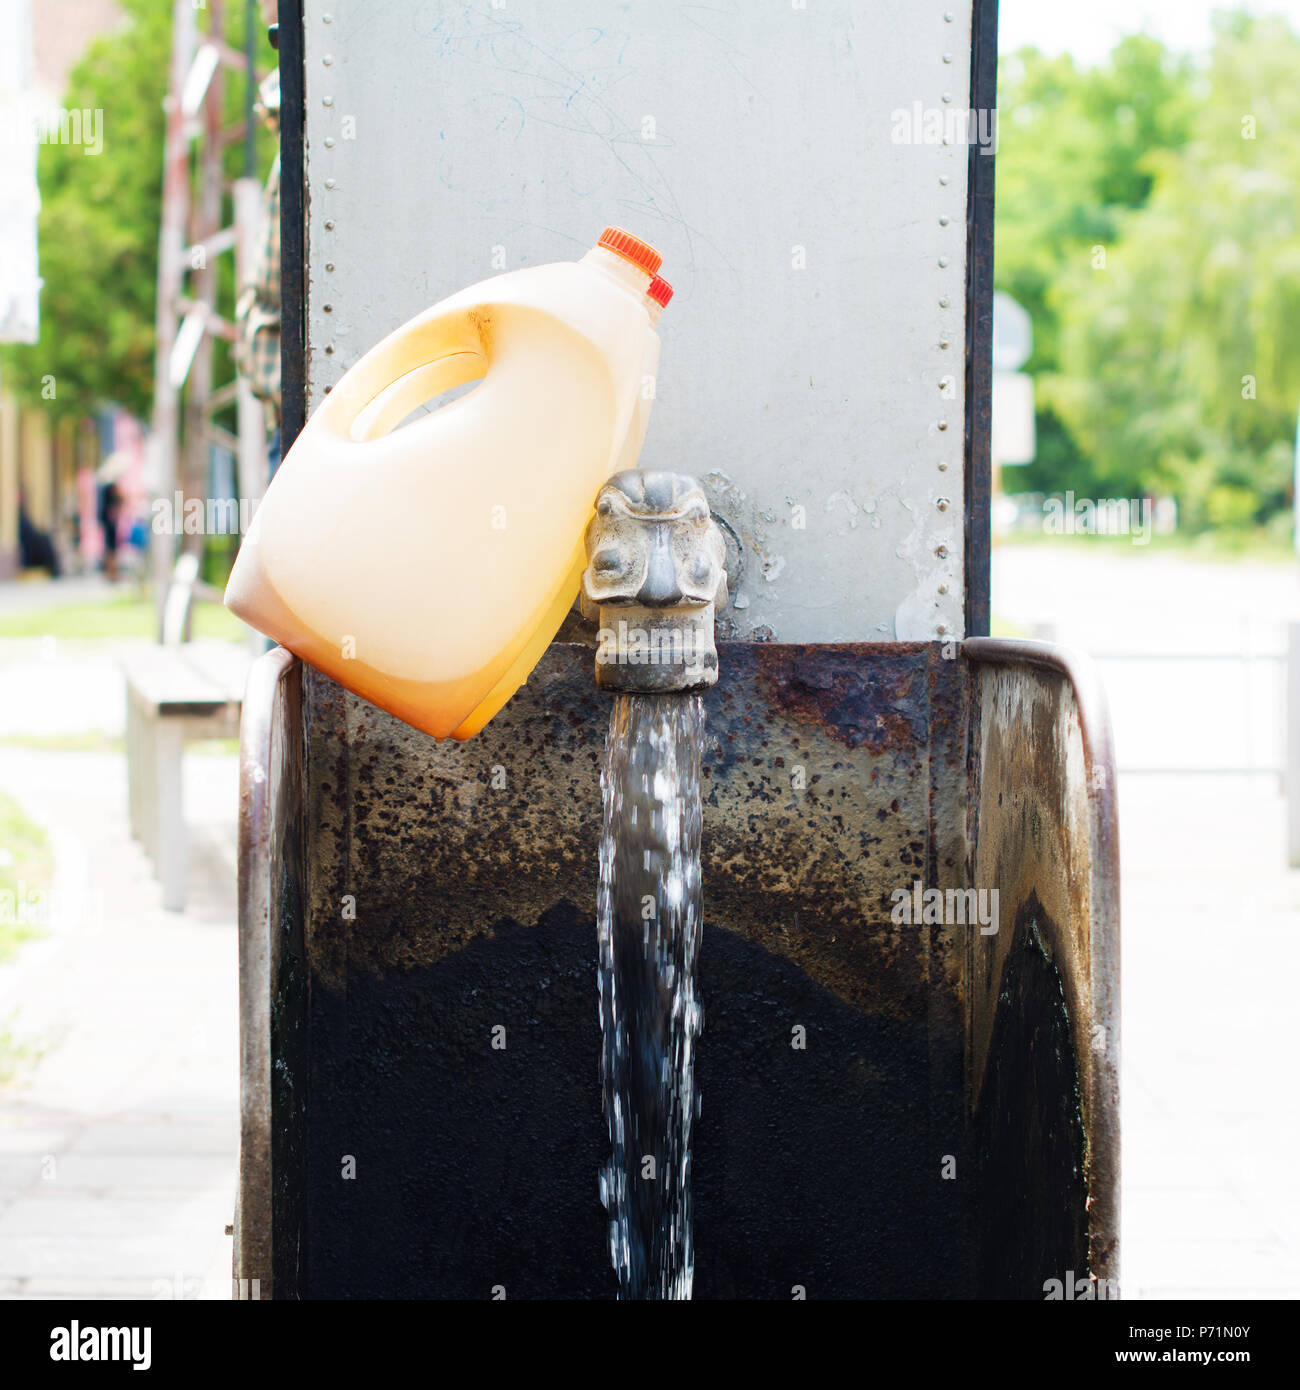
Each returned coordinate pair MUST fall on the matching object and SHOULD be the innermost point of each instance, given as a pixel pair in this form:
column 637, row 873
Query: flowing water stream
column 649, row 931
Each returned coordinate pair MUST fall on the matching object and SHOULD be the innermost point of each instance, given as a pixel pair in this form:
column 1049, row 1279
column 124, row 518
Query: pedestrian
column 111, row 504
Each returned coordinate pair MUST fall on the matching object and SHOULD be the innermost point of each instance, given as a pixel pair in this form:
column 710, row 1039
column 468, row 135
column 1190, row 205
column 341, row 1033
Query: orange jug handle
column 446, row 346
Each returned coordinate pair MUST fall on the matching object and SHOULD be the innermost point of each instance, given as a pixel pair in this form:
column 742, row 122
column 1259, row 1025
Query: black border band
column 979, row 323
column 293, row 226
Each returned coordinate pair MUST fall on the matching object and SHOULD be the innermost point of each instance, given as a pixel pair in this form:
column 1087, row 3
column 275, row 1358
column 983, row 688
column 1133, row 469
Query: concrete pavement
column 119, row 1135
column 1211, row 913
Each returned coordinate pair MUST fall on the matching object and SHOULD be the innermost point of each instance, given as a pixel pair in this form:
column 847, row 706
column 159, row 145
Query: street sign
column 1013, row 334
column 1014, row 436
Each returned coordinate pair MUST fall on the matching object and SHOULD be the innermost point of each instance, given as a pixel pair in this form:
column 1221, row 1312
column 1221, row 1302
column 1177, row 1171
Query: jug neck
column 631, row 277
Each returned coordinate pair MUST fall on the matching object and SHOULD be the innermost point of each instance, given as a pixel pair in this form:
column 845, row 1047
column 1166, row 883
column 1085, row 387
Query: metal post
column 171, row 254
column 203, row 286
column 250, row 88
column 1293, row 745
column 293, row 226
column 251, row 415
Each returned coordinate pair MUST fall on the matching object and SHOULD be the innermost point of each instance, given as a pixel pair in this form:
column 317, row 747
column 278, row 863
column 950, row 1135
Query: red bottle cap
column 660, row 291
column 640, row 253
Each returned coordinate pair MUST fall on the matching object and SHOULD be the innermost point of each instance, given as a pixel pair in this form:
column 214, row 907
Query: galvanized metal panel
column 789, row 161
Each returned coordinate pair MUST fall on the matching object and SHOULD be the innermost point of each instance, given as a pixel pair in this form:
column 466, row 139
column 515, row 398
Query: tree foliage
column 99, row 223
column 1149, row 218
column 98, row 230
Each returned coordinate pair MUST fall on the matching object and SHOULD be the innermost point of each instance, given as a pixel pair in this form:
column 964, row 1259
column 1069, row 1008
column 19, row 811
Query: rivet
column 329, row 265
column 947, row 96
column 941, row 503
column 943, row 262
column 943, row 424
column 943, row 221
column 327, row 19
column 941, row 551
column 329, row 142
column 947, row 16
column 943, row 468
column 942, row 629
column 943, row 342
column 328, row 60
column 329, row 226
column 329, row 183
column 947, row 57
column 943, row 298
column 327, row 101
column 943, row 180
column 943, row 588
column 329, row 308
column 329, row 349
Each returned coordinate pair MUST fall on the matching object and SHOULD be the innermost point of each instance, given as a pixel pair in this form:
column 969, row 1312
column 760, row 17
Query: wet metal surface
column 1044, row 792
column 450, row 905
column 472, row 871
column 272, row 980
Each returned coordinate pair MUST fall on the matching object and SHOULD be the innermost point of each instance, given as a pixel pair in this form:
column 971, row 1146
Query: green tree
column 1075, row 153
column 98, row 230
column 1177, row 363
column 99, row 222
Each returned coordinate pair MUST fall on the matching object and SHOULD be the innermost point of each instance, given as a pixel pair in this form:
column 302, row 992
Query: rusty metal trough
column 948, row 1127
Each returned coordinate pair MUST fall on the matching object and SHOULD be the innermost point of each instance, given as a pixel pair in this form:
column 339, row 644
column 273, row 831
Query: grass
column 26, row 867
column 97, row 741
column 86, row 741
column 17, row 1054
column 1261, row 545
column 25, row 870
column 120, row 617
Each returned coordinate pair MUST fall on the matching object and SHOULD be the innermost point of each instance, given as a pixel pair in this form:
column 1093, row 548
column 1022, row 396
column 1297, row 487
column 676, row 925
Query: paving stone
column 136, row 1010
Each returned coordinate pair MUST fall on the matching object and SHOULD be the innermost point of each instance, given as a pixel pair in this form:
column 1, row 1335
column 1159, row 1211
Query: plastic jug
column 427, row 567
column 657, row 296
column 658, row 293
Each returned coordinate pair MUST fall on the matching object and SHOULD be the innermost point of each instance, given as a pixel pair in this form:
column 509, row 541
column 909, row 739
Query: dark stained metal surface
column 270, row 973
column 473, row 869
column 1044, row 993
column 448, row 903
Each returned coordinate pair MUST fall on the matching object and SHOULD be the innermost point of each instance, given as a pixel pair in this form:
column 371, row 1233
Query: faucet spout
column 656, row 572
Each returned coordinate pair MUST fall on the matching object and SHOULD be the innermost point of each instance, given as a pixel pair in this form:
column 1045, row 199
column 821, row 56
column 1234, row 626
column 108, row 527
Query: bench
column 177, row 691
column 174, row 694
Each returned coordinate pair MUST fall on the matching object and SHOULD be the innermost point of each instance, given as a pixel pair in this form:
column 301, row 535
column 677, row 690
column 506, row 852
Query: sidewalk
column 27, row 595
column 1211, row 927
column 1210, row 917
column 118, row 1148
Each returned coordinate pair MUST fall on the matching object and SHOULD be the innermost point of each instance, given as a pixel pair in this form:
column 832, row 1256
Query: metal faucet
column 656, row 572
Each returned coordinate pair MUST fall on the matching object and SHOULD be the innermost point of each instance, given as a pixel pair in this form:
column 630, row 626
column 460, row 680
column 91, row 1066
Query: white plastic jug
column 427, row 567
column 658, row 294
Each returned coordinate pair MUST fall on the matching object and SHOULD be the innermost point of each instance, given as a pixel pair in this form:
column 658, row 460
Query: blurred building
column 49, row 467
